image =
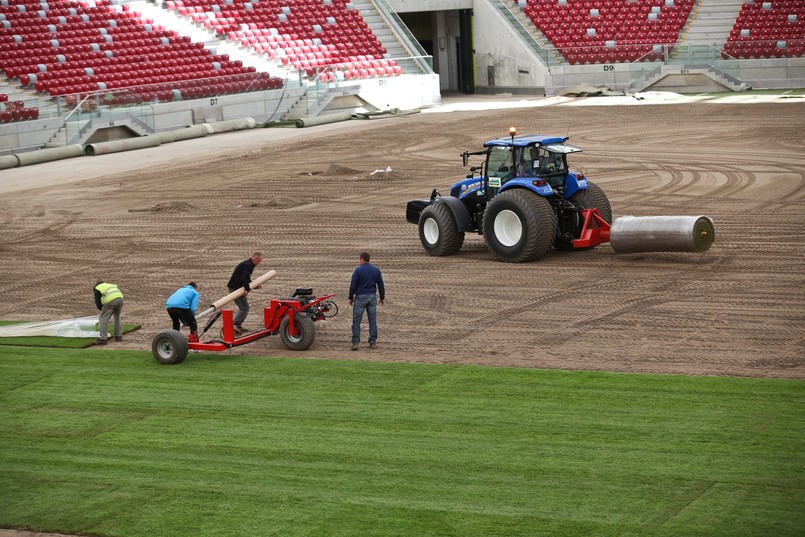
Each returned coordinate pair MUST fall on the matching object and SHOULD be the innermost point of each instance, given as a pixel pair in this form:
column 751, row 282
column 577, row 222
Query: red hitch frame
column 273, row 315
column 592, row 236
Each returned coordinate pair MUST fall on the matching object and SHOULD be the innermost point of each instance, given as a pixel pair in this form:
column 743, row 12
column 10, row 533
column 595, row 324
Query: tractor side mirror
column 465, row 157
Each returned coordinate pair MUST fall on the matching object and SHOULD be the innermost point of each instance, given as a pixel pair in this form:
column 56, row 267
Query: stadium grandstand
column 82, row 71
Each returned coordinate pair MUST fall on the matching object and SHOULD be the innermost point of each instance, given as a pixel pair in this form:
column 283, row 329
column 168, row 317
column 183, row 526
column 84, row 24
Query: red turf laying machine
column 291, row 317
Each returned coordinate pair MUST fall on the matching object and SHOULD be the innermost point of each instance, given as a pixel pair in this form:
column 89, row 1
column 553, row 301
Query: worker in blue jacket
column 365, row 285
column 182, row 306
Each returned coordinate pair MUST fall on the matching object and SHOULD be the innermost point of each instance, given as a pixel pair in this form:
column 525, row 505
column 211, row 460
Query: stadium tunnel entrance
column 446, row 35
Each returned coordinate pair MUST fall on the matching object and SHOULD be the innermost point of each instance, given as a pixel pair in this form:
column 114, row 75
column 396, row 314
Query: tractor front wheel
column 519, row 226
column 169, row 347
column 438, row 231
column 305, row 332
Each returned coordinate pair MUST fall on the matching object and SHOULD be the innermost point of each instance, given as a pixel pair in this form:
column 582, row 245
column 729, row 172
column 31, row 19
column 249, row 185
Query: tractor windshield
column 499, row 162
column 550, row 162
column 546, row 161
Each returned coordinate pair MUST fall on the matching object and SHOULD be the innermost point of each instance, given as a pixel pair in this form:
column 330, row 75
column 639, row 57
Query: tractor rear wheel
column 519, row 226
column 591, row 198
column 600, row 201
column 305, row 332
column 438, row 230
column 169, row 347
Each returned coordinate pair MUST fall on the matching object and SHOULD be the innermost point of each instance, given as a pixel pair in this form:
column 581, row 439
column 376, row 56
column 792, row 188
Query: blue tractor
column 523, row 199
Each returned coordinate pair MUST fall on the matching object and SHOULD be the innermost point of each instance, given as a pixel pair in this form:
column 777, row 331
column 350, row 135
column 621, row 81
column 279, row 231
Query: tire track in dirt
column 313, row 204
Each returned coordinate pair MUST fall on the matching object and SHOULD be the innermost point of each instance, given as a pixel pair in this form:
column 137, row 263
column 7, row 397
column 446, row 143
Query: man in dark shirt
column 241, row 278
column 367, row 281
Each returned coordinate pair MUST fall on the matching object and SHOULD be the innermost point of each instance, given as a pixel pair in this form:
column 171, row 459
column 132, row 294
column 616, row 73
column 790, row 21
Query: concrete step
column 394, row 49
column 711, row 22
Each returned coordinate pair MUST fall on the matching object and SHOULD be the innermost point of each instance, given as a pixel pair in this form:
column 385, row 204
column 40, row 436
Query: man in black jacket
column 241, row 278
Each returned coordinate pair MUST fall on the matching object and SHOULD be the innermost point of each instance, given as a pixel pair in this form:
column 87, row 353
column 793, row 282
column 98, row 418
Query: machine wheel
column 592, row 197
column 519, row 226
column 332, row 309
column 438, row 230
column 169, row 347
column 305, row 332
column 600, row 201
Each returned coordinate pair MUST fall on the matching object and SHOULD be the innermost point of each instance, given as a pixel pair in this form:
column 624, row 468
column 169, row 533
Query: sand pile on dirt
column 166, row 207
column 279, row 202
column 335, row 169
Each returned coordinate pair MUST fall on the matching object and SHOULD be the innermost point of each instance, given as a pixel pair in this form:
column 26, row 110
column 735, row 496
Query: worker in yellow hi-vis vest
column 109, row 300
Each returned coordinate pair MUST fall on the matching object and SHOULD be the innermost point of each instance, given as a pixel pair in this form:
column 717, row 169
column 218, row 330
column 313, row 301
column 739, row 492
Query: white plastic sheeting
column 81, row 327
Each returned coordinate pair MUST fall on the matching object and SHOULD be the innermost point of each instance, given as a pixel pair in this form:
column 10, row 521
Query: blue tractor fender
column 528, row 183
column 459, row 210
column 573, row 183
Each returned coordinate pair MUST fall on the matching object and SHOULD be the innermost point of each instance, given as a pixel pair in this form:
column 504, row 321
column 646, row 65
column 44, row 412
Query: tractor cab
column 547, row 162
column 533, row 156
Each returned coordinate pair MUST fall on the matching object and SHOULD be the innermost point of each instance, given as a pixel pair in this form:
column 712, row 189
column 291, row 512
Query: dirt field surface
column 313, row 199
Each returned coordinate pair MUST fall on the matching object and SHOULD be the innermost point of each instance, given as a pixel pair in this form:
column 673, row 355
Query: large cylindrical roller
column 221, row 302
column 50, row 154
column 127, row 144
column 662, row 234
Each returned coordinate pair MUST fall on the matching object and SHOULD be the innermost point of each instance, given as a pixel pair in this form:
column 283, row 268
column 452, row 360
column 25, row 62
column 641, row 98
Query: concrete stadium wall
column 262, row 106
column 770, row 74
column 404, row 92
column 501, row 53
column 615, row 76
column 27, row 135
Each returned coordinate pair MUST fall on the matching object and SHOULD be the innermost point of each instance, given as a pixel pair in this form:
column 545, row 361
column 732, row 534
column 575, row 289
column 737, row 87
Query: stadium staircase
column 711, row 23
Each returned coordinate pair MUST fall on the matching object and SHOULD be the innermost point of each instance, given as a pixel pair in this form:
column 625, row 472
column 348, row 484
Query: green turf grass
column 107, row 442
column 58, row 342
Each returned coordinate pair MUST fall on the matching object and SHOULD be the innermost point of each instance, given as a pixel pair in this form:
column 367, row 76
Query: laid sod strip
column 111, row 443
column 57, row 342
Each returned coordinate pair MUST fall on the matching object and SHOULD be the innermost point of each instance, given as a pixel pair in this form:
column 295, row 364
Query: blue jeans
column 369, row 304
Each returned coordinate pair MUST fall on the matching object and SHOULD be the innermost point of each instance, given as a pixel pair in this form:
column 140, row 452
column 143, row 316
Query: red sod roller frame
column 592, row 236
column 292, row 318
column 631, row 234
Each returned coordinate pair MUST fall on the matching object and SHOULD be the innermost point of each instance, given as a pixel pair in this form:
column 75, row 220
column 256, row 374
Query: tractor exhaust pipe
column 220, row 303
column 630, row 234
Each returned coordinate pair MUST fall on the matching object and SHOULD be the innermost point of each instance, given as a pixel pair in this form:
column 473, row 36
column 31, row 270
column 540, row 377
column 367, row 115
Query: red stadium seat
column 765, row 27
